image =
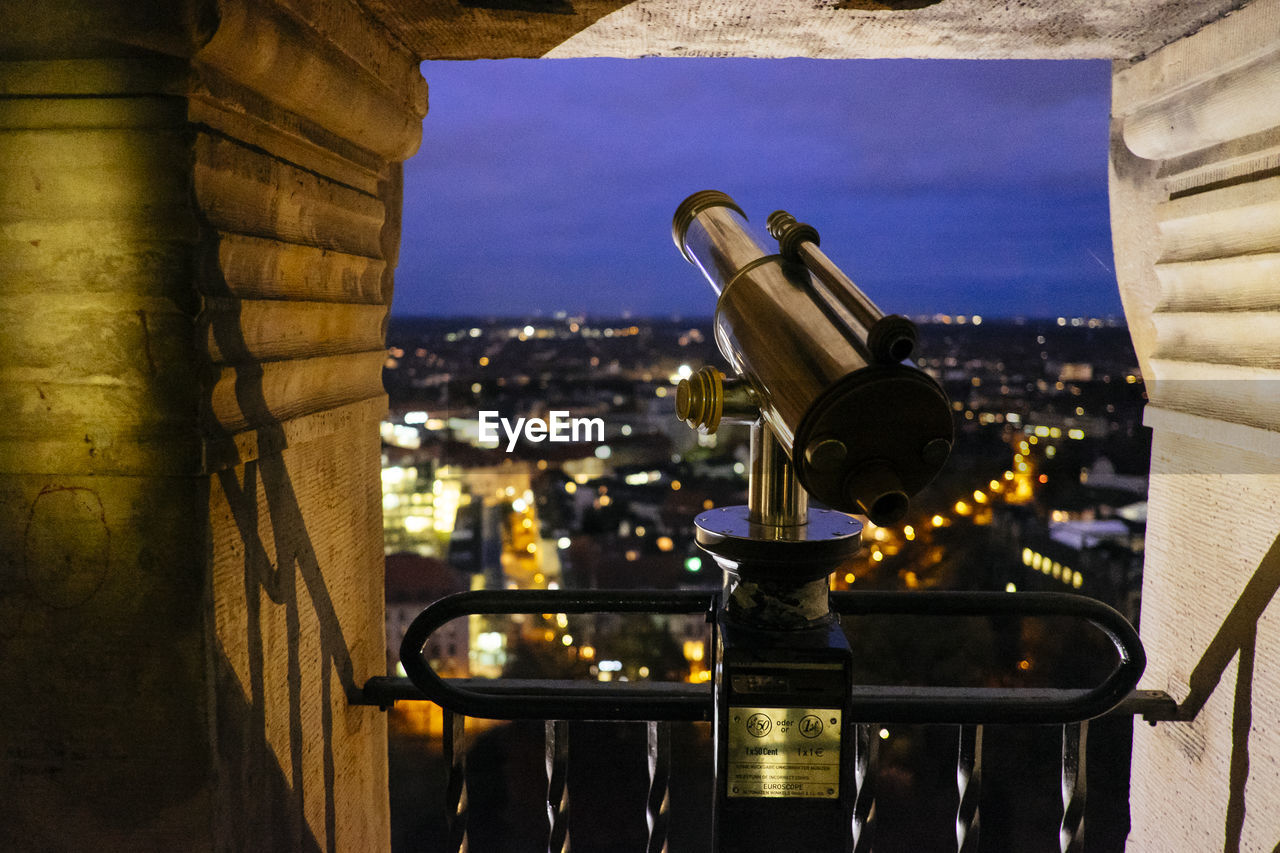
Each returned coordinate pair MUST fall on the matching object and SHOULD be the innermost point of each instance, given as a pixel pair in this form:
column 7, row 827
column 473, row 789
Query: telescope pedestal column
column 782, row 679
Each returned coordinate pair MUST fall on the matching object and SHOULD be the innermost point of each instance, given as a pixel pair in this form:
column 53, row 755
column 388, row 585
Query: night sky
column 938, row 186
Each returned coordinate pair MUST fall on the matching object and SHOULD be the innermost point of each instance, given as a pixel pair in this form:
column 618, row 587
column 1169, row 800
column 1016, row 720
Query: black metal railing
column 659, row 704
column 545, row 699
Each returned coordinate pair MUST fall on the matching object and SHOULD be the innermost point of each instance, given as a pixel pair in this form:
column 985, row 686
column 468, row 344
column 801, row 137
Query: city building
column 413, row 582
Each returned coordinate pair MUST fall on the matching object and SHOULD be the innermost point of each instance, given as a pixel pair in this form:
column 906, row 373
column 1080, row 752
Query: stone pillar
column 103, row 585
column 1196, row 224
column 199, row 216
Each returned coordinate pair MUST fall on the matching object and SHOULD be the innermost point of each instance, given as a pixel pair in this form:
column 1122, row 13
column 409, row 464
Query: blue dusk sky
column 938, row 186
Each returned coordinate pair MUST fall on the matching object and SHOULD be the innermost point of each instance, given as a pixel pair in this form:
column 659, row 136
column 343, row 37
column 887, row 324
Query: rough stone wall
column 199, row 216
column 1196, row 224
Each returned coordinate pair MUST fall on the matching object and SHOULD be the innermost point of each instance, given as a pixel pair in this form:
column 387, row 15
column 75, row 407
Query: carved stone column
column 1196, row 223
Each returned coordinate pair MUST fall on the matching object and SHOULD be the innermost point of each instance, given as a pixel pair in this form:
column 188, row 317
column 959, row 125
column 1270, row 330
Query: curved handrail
column 554, row 700
column 532, row 699
column 996, row 705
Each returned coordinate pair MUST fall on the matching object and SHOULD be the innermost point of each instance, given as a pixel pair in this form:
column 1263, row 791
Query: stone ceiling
column 829, row 29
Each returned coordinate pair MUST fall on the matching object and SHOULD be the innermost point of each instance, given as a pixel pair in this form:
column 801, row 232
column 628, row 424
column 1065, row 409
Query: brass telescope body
column 863, row 430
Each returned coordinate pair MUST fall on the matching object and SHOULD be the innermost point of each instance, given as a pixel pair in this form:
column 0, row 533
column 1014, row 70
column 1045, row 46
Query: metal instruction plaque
column 784, row 752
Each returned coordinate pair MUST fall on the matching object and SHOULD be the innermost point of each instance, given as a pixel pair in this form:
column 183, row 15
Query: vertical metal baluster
column 455, row 752
column 659, row 801
column 866, row 759
column 969, row 784
column 557, row 751
column 1074, row 742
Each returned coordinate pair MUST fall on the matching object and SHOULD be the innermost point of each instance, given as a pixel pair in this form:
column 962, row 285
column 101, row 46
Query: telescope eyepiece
column 892, row 339
column 877, row 492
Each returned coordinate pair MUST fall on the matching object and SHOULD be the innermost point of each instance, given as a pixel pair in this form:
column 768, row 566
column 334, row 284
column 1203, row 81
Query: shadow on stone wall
column 263, row 804
column 1237, row 634
column 243, row 741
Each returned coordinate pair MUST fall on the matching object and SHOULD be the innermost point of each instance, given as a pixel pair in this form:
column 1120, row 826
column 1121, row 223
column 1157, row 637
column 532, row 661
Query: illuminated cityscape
column 1044, row 490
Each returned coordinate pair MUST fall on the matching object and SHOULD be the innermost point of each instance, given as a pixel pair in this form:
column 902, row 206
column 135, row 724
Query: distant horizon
column 708, row 318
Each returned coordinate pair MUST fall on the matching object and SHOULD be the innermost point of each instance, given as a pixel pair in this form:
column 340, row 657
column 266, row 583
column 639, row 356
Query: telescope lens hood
column 690, row 207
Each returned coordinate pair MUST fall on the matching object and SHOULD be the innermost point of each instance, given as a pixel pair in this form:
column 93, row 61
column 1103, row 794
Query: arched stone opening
column 200, row 227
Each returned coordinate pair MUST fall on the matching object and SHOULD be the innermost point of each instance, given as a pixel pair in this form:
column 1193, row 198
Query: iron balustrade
column 557, row 701
column 836, row 411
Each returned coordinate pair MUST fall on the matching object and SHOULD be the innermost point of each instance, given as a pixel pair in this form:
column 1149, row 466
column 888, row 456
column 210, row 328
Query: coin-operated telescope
column 822, row 363
column 837, row 412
